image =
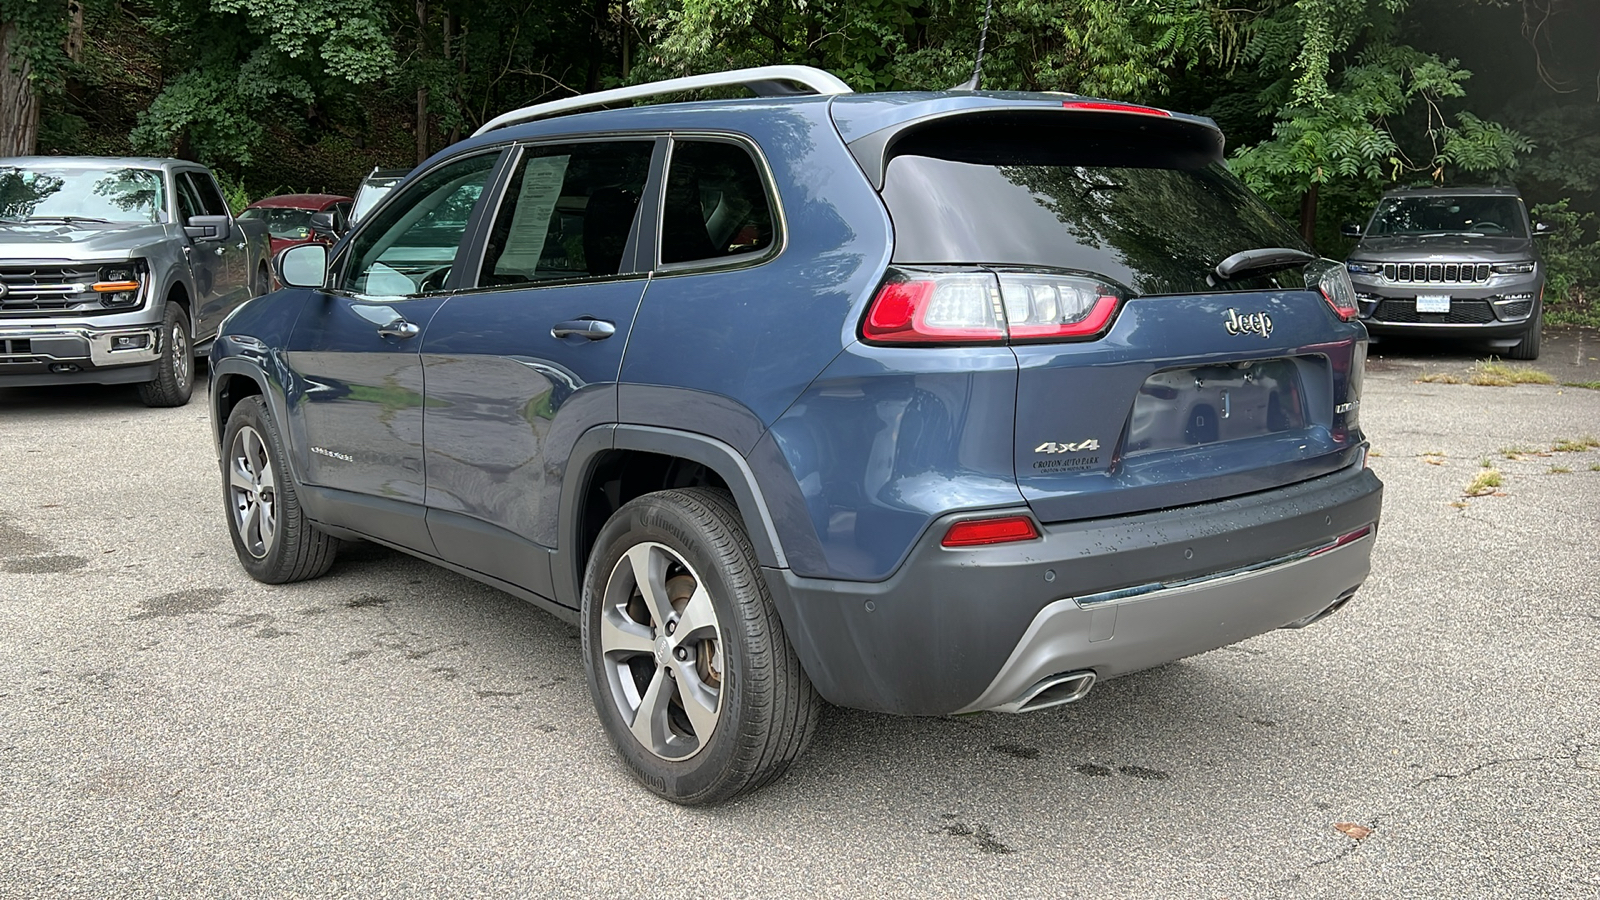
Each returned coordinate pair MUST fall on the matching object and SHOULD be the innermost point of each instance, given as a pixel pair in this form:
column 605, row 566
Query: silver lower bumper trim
column 1120, row 632
column 75, row 345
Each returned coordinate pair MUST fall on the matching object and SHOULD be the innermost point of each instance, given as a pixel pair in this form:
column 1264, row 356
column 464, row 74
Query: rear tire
column 275, row 542
column 690, row 671
column 1529, row 348
column 174, row 380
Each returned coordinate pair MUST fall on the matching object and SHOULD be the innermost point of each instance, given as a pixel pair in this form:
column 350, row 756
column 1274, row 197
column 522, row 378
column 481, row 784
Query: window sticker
column 542, row 178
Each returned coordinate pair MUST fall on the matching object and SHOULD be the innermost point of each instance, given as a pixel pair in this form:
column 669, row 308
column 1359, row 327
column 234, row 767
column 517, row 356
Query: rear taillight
column 981, row 532
column 1332, row 281
column 921, row 306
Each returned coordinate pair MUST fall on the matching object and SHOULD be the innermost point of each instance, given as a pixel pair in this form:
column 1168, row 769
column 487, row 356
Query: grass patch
column 1484, row 482
column 1591, row 385
column 1516, row 451
column 1594, row 467
column 1460, row 504
column 1439, row 378
column 1494, row 373
column 1559, row 470
column 1485, row 463
column 1577, row 446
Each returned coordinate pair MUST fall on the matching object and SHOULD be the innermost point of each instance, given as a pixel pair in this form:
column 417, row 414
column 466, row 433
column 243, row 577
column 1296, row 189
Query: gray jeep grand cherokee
column 1452, row 263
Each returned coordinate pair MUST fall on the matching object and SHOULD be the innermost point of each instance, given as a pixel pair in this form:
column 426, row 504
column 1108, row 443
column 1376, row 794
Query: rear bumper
column 971, row 629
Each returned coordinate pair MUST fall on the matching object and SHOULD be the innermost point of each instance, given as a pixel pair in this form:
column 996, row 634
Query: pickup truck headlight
column 120, row 285
column 1516, row 268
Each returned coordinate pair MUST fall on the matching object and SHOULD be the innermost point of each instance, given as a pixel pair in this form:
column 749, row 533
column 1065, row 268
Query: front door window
column 408, row 250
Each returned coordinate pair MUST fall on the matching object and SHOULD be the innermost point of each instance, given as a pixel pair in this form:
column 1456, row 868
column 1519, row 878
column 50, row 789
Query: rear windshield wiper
column 1261, row 261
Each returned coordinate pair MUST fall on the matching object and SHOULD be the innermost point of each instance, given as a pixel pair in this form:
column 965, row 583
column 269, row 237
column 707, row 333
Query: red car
column 288, row 217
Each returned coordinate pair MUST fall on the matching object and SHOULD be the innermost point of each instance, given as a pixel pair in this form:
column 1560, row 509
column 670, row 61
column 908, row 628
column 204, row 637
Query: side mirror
column 209, row 228
column 303, row 265
column 1350, row 229
column 322, row 225
column 1542, row 229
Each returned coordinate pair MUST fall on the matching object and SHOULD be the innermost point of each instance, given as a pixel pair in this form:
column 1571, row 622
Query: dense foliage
column 1326, row 102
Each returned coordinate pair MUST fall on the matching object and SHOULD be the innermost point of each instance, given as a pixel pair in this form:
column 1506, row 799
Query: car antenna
column 977, row 64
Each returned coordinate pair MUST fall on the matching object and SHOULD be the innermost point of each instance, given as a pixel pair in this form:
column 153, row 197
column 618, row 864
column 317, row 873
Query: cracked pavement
column 170, row 728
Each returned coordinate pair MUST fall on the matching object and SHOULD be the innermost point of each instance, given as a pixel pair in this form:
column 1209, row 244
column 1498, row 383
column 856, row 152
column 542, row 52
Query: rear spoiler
column 1081, row 134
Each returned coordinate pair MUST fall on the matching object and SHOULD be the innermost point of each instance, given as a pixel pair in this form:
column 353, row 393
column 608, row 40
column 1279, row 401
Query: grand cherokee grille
column 1462, row 312
column 50, row 290
column 1436, row 273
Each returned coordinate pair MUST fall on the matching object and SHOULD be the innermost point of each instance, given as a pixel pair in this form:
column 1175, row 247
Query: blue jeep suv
column 923, row 403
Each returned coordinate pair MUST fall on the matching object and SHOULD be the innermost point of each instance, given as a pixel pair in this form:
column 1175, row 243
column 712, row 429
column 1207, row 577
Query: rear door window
column 716, row 206
column 568, row 212
column 1155, row 222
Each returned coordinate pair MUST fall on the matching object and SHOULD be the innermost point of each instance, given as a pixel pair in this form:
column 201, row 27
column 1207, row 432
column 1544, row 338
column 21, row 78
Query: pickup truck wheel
column 687, row 663
column 174, row 380
column 275, row 542
column 1529, row 348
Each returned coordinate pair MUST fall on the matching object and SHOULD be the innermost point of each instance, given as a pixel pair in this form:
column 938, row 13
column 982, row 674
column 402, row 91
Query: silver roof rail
column 764, row 81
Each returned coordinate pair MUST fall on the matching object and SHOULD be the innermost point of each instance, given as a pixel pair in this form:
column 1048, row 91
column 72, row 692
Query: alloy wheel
column 180, row 356
column 252, row 492
column 661, row 651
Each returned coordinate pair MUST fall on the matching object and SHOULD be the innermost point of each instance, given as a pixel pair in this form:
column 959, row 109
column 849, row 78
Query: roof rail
column 764, row 81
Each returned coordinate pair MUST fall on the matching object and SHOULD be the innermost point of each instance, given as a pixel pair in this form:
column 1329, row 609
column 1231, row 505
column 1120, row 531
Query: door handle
column 590, row 329
column 399, row 328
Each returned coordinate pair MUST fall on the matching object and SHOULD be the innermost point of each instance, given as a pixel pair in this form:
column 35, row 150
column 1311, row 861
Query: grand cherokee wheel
column 1529, row 347
column 274, row 541
column 174, row 380
column 686, row 659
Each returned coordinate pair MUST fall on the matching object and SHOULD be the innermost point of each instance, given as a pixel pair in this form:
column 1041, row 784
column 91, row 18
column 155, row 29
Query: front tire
column 174, row 380
column 690, row 671
column 275, row 542
column 1529, row 347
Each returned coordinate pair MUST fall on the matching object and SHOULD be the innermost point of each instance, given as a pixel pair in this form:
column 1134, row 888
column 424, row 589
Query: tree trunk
column 1308, row 215
column 19, row 102
column 422, row 92
column 74, row 45
column 422, row 124
column 599, row 14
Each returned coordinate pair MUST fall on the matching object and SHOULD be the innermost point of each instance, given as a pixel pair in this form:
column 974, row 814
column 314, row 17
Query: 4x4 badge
column 1249, row 323
column 1052, row 447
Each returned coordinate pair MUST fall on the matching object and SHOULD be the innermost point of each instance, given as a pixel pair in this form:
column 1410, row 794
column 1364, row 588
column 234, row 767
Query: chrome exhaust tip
column 1331, row 608
column 1057, row 690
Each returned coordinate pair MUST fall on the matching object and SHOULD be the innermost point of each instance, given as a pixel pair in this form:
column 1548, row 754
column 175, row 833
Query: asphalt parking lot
column 170, row 728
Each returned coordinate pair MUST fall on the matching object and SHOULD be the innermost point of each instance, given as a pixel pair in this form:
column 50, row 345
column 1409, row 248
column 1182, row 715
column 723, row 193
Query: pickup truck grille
column 49, row 290
column 1436, row 273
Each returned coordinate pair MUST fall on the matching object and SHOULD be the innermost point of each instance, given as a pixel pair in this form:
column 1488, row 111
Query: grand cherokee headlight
column 1516, row 268
column 1363, row 268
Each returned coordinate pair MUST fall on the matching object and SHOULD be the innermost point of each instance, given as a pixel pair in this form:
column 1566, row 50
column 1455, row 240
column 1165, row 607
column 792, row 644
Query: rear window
column 1157, row 225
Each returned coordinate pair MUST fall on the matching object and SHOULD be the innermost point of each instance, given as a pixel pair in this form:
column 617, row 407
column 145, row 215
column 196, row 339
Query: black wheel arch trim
column 270, row 391
column 714, row 454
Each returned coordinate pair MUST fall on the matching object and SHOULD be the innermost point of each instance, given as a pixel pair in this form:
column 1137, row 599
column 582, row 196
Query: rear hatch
column 1089, row 241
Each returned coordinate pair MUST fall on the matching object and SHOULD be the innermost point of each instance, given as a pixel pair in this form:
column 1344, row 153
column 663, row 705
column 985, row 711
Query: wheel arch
column 611, row 464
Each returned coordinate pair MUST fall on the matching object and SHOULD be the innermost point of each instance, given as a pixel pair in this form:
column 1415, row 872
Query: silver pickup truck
column 118, row 271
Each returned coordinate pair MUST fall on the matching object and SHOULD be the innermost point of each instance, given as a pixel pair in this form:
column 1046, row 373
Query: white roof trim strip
column 761, row 80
